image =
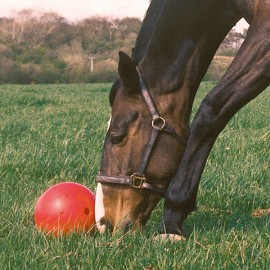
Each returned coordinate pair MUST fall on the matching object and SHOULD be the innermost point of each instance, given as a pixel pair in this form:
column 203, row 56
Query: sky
column 79, row 9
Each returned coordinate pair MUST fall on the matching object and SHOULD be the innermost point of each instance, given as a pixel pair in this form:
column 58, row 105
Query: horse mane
column 148, row 26
column 143, row 39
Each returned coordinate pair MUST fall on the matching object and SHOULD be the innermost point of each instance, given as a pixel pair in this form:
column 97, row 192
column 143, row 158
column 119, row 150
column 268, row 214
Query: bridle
column 138, row 179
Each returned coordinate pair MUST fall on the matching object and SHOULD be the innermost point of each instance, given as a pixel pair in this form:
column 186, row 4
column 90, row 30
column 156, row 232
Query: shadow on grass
column 212, row 220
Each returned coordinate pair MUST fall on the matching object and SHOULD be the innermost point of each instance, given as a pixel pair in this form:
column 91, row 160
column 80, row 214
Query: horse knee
column 206, row 121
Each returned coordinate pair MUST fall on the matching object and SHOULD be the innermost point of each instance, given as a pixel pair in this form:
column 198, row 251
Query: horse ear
column 128, row 73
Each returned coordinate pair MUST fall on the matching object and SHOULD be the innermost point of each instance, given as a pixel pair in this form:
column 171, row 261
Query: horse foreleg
column 248, row 75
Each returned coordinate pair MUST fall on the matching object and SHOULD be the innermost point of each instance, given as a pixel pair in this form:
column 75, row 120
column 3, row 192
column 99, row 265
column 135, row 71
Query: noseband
column 138, row 179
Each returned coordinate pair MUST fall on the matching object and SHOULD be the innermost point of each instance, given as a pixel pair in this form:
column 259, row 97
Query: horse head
column 141, row 152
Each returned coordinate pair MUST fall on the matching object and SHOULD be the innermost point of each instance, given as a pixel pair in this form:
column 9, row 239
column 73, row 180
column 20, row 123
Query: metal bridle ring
column 158, row 123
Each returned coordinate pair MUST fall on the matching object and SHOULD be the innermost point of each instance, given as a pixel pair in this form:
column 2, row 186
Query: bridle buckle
column 158, row 123
column 137, row 181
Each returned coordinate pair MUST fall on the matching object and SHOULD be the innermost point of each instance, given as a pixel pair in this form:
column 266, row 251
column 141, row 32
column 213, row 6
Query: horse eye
column 116, row 138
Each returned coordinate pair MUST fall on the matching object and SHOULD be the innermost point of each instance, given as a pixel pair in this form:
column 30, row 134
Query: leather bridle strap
column 147, row 97
column 158, row 122
column 133, row 181
column 138, row 179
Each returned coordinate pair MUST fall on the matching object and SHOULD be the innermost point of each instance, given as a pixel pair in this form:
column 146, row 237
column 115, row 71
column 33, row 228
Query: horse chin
column 122, row 210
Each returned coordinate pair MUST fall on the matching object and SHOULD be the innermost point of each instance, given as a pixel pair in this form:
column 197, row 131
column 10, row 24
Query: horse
column 151, row 151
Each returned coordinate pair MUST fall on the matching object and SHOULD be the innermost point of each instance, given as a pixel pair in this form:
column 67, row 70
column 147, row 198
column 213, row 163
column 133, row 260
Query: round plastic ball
column 66, row 207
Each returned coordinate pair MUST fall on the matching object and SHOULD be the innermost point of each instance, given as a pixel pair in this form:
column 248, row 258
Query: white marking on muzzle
column 99, row 208
column 99, row 205
column 109, row 123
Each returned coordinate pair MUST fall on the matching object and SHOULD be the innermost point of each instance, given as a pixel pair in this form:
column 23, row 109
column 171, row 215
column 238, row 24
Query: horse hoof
column 169, row 237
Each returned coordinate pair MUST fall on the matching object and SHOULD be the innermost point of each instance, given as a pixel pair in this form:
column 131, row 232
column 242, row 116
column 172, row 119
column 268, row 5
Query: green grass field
column 54, row 133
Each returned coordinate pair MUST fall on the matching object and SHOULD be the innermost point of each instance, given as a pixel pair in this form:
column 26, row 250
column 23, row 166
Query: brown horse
column 150, row 151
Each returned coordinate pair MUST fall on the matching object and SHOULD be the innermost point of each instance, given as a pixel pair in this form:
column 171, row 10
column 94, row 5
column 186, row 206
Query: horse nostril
column 108, row 226
column 128, row 227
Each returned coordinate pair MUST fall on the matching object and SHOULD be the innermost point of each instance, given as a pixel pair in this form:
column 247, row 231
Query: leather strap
column 148, row 151
column 154, row 112
column 147, row 97
column 126, row 181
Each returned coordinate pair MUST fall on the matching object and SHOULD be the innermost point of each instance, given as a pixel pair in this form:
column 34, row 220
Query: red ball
column 64, row 208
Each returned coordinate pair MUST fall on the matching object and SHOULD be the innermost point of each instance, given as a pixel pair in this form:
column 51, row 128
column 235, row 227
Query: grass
column 54, row 133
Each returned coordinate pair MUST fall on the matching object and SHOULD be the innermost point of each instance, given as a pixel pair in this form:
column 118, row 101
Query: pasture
column 54, row 133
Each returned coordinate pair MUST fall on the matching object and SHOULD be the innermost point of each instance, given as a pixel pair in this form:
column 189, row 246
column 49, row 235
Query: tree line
column 46, row 48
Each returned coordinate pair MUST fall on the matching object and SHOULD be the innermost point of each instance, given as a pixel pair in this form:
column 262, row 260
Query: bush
column 104, row 71
column 218, row 67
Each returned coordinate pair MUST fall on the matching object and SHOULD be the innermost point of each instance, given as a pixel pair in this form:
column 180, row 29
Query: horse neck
column 181, row 49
